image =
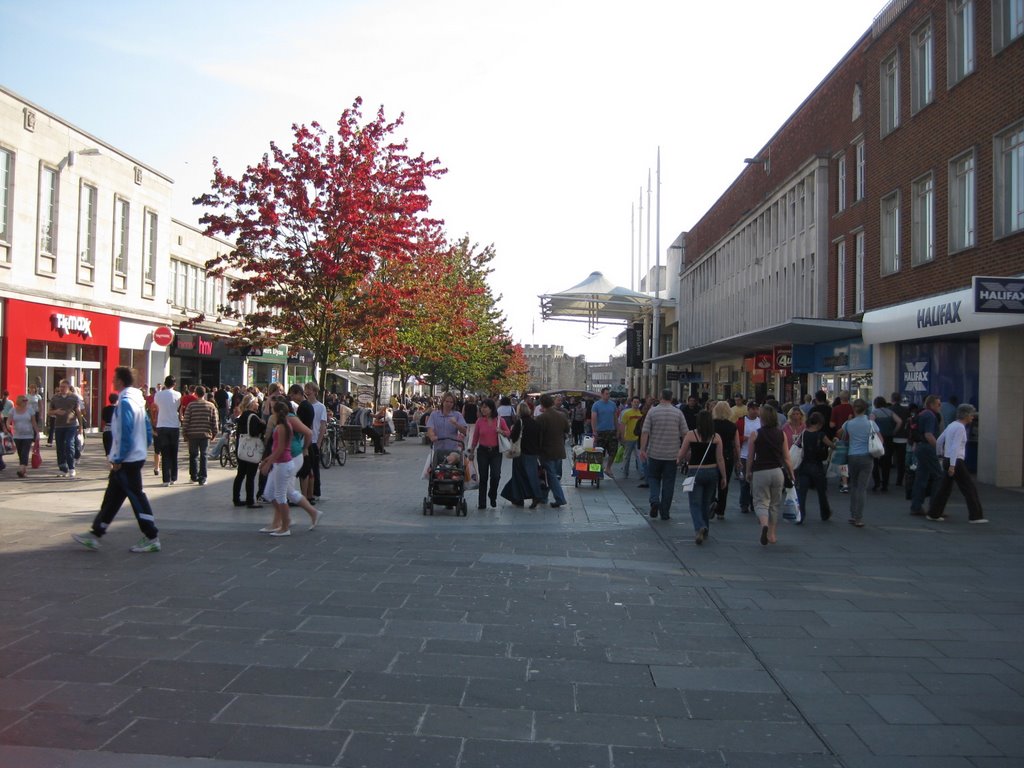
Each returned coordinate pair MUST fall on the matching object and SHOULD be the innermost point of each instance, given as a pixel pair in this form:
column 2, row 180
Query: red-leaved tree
column 320, row 229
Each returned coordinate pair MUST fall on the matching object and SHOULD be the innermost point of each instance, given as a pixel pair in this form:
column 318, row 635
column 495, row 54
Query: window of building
column 87, row 214
column 889, row 91
column 891, row 233
column 841, row 184
column 1009, row 172
column 119, row 254
column 149, row 253
column 858, row 287
column 841, row 279
column 922, row 247
column 49, row 180
column 959, row 41
column 922, row 68
column 6, row 196
column 1007, row 22
column 962, row 202
column 859, row 189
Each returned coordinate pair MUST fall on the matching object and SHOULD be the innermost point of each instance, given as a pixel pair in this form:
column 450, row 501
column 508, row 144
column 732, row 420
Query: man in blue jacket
column 132, row 436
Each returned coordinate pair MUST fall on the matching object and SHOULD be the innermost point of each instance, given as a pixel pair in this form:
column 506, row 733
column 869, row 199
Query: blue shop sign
column 832, row 356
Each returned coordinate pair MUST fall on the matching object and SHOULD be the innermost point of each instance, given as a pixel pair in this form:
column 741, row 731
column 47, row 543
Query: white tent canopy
column 595, row 301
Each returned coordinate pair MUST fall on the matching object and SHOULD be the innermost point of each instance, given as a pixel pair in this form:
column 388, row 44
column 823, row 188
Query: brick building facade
column 844, row 255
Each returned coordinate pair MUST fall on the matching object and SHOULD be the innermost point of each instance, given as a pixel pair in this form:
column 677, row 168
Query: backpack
column 914, row 431
column 885, row 422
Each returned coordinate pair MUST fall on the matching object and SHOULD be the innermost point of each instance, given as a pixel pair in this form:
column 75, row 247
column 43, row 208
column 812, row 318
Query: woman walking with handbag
column 707, row 475
column 249, row 449
column 858, row 431
column 725, row 428
column 24, row 429
column 811, row 472
column 488, row 453
column 769, row 472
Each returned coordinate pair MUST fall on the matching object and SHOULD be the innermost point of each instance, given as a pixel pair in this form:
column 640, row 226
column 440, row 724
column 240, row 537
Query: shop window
column 119, row 255
column 922, row 68
column 890, row 231
column 889, row 93
column 1009, row 188
column 87, row 200
column 961, row 203
column 49, row 180
column 6, row 198
column 922, row 249
column 959, row 41
column 1007, row 22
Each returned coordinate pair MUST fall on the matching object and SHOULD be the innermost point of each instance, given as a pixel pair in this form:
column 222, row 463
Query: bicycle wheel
column 232, row 454
column 224, row 456
column 326, row 455
column 341, row 453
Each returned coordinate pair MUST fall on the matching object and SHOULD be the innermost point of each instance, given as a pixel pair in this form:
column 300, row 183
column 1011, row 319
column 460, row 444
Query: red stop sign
column 163, row 336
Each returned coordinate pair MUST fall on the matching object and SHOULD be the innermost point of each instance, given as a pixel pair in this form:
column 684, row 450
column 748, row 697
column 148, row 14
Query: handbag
column 691, row 480
column 37, row 458
column 250, row 449
column 875, row 446
column 504, row 443
column 796, row 452
column 6, row 444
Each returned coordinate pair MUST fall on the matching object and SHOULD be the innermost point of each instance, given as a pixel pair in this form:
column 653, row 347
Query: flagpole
column 657, row 276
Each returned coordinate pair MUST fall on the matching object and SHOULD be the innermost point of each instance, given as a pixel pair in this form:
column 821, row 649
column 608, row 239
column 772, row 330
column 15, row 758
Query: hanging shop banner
column 1004, row 295
column 916, row 374
column 783, row 359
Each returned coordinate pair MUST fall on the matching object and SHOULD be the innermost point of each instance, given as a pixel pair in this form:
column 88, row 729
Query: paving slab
column 583, row 636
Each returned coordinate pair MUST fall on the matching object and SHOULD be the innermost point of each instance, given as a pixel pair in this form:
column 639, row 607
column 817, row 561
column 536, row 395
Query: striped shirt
column 200, row 419
column 665, row 427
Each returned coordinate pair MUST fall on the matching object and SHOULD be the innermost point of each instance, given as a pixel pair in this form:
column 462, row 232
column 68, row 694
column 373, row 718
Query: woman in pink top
column 282, row 473
column 488, row 456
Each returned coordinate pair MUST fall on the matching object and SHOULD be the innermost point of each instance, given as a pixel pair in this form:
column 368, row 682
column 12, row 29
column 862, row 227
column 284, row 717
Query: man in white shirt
column 746, row 426
column 951, row 448
column 319, row 425
column 168, row 429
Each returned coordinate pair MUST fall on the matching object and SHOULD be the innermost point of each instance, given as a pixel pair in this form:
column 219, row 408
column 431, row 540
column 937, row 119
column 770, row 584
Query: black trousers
column 197, row 447
column 126, row 483
column 168, row 438
column 963, row 480
column 246, row 473
column 488, row 463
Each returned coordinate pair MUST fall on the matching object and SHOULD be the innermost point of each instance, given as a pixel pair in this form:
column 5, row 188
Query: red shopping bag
column 37, row 458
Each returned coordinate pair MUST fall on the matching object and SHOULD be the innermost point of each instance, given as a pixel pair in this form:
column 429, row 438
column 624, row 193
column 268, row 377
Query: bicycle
column 332, row 447
column 228, row 452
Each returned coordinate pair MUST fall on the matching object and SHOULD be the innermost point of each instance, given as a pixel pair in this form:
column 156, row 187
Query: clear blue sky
column 547, row 114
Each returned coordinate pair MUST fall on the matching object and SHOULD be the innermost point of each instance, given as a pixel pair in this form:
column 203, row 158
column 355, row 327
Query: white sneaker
column 87, row 540
column 979, row 521
column 62, row 474
column 146, row 545
column 73, row 473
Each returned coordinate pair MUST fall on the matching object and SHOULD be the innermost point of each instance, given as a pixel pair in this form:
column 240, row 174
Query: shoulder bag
column 690, row 480
column 796, row 452
column 875, row 446
column 250, row 448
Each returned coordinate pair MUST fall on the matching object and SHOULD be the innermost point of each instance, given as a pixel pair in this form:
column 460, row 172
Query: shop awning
column 354, row 377
column 799, row 330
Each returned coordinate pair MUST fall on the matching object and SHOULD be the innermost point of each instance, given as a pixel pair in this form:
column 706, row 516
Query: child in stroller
column 446, row 484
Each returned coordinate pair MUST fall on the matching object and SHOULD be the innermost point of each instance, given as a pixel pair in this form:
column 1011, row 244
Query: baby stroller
column 446, row 486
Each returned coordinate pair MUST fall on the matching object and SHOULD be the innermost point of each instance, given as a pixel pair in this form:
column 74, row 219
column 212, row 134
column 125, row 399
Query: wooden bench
column 355, row 440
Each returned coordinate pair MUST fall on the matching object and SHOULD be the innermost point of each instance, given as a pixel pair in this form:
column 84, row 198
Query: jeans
column 661, row 475
column 860, row 474
column 927, row 469
column 126, row 483
column 553, row 471
column 811, row 474
column 168, row 437
column 488, row 467
column 746, row 497
column 65, row 438
column 197, row 458
column 629, row 451
column 703, row 493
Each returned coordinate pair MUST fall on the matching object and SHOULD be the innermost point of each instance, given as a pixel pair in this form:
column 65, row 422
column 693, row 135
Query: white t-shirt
column 750, row 426
column 319, row 419
column 167, row 414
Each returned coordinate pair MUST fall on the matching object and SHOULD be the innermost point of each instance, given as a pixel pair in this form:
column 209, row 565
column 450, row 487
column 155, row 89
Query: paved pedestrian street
column 585, row 636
